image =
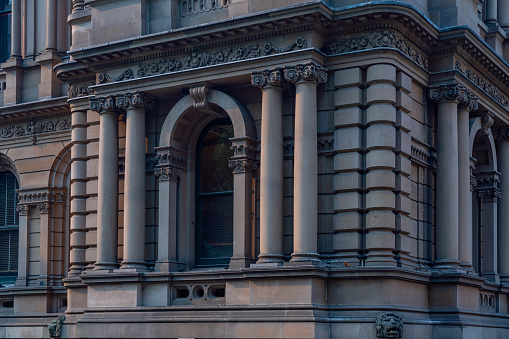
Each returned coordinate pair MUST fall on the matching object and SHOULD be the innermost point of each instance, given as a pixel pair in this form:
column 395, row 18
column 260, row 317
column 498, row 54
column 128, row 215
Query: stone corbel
column 245, row 153
column 487, row 121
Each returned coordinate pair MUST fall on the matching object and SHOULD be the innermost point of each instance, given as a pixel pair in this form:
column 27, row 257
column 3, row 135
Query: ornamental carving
column 103, row 104
column 274, row 77
column 135, row 100
column 424, row 157
column 171, row 156
column 34, row 198
column 44, row 208
column 200, row 95
column 269, row 47
column 490, row 195
column 487, row 121
column 55, row 327
column 22, row 209
column 74, row 91
column 193, row 7
column 35, row 127
column 484, row 85
column 377, row 39
column 166, row 173
column 309, row 72
column 242, row 165
column 389, row 325
column 126, row 75
column 455, row 92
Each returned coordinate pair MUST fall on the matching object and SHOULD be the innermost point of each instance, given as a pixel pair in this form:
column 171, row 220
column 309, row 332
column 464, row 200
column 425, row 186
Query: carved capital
column 44, row 208
column 306, row 72
column 104, row 104
column 274, row 77
column 200, row 96
column 22, row 209
column 491, row 195
column 171, row 156
column 166, row 173
column 455, row 92
column 135, row 100
column 242, row 165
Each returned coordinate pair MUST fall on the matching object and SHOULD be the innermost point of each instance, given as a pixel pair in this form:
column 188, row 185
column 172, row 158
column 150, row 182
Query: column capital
column 310, row 71
column 135, row 100
column 104, row 104
column 269, row 77
column 44, row 208
column 454, row 92
column 242, row 165
column 22, row 209
column 167, row 173
column 245, row 152
column 171, row 156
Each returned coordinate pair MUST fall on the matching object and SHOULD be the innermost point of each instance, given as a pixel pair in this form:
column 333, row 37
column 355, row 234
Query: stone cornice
column 34, row 110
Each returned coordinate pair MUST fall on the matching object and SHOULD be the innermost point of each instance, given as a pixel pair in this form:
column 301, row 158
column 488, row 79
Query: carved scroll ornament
column 308, row 72
column 455, row 92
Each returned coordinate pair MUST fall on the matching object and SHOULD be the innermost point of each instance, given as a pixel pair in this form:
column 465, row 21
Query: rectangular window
column 5, row 29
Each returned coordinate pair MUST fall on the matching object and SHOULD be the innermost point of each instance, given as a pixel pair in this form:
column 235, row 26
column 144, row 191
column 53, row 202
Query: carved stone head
column 389, row 325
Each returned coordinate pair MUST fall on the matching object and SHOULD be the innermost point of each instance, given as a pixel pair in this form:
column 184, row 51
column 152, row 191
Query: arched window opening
column 9, row 223
column 5, row 29
column 214, row 195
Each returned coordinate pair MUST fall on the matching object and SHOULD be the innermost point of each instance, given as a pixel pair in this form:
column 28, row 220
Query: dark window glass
column 5, row 29
column 214, row 207
column 9, row 221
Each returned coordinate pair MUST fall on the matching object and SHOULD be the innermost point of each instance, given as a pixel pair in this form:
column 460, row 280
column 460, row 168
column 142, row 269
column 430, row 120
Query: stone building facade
column 254, row 168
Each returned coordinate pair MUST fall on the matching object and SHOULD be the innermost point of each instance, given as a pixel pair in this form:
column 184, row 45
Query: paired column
column 135, row 104
column 503, row 14
column 491, row 12
column 447, row 186
column 305, row 189
column 271, row 83
column 78, row 222
column 107, row 202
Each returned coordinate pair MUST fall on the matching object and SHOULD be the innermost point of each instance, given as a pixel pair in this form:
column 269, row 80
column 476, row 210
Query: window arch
column 9, row 224
column 214, row 195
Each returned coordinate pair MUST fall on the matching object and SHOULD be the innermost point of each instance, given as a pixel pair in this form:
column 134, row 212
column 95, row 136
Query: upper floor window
column 9, row 222
column 214, row 198
column 5, row 29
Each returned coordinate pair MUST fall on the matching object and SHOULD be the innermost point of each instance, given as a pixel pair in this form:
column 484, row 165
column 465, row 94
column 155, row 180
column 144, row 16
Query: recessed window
column 9, row 222
column 214, row 203
column 5, row 29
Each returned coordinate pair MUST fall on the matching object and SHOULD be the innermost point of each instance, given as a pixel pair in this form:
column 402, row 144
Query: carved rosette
column 455, row 92
column 306, row 72
column 245, row 152
column 22, row 209
column 44, row 208
column 273, row 77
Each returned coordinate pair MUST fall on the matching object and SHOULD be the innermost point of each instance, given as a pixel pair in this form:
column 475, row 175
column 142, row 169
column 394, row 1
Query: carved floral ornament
column 454, row 92
column 280, row 76
column 35, row 127
column 198, row 59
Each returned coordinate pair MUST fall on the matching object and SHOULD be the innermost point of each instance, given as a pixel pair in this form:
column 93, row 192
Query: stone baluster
column 305, row 212
column 271, row 165
column 78, row 197
column 107, row 200
column 135, row 104
column 24, row 214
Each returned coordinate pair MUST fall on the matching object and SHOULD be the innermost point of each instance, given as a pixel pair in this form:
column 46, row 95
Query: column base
column 504, row 279
column 105, row 266
column 132, row 264
column 467, row 267
column 21, row 281
column 167, row 266
column 491, row 277
column 447, row 266
column 270, row 258
column 305, row 257
column 241, row 262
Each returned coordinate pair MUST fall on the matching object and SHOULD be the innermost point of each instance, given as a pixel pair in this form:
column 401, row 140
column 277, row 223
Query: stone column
column 464, row 193
column 170, row 162
column 24, row 213
column 305, row 190
column 243, row 164
column 107, row 200
column 51, row 25
column 78, row 197
column 503, row 14
column 491, row 12
column 503, row 210
column 135, row 105
column 78, row 5
column 16, row 29
column 271, row 165
column 45, row 240
column 447, row 203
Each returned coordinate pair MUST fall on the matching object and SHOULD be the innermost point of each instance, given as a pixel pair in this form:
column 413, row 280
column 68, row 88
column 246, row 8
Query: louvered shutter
column 9, row 223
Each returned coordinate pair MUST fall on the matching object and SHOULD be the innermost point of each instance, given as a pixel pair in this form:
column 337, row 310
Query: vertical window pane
column 9, row 221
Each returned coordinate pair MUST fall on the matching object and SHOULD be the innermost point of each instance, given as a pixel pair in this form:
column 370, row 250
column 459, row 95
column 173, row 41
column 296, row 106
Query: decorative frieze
column 40, row 197
column 308, row 72
column 35, row 127
column 377, row 39
column 193, row 7
column 75, row 91
column 269, row 47
column 483, row 84
column 456, row 92
column 126, row 75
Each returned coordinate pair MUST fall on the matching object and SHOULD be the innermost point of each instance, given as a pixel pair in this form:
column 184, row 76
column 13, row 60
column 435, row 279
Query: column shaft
column 464, row 193
column 271, row 176
column 16, row 29
column 51, row 25
column 167, row 230
column 134, row 190
column 503, row 13
column 107, row 201
column 23, row 245
column 503, row 211
column 305, row 173
column 491, row 12
column 447, row 184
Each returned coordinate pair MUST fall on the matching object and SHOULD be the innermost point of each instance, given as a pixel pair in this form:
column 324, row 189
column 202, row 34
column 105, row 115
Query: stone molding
column 455, row 92
column 35, row 127
column 377, row 39
column 310, row 71
column 483, row 84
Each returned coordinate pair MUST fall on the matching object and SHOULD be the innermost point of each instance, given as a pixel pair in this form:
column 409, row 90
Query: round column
column 503, row 13
column 134, row 182
column 305, row 211
column 16, row 29
column 107, row 201
column 491, row 12
column 51, row 25
column 503, row 210
column 271, row 166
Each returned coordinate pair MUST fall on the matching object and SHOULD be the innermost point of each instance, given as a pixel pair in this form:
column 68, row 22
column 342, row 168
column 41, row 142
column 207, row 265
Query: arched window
column 9, row 223
column 214, row 195
column 5, row 29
